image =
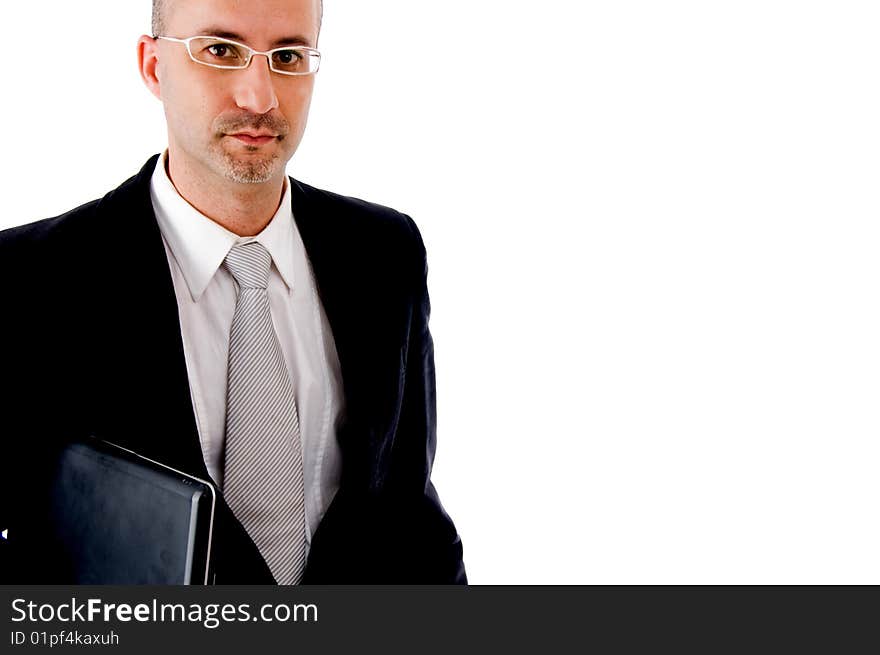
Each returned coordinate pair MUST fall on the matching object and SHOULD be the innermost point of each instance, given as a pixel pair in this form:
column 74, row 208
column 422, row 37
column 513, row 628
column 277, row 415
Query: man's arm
column 436, row 554
column 386, row 524
column 16, row 384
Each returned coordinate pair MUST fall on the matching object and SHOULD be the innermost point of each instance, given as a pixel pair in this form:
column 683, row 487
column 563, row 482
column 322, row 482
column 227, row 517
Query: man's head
column 212, row 112
column 160, row 9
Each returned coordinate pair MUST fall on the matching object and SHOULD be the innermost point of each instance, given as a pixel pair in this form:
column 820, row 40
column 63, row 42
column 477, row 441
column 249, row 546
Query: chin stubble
column 251, row 171
column 247, row 170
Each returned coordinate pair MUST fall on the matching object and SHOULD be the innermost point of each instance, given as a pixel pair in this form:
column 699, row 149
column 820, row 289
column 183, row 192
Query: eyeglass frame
column 251, row 52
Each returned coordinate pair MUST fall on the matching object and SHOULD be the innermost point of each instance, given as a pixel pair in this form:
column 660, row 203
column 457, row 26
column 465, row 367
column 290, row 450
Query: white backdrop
column 653, row 234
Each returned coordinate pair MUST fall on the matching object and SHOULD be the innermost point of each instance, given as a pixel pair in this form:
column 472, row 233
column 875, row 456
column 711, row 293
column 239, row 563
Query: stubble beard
column 250, row 167
column 252, row 170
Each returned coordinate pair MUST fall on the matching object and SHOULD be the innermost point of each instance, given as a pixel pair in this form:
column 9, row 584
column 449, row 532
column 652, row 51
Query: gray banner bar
column 254, row 620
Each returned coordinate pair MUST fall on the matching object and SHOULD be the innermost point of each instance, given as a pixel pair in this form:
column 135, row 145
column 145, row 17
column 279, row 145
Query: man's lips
column 253, row 139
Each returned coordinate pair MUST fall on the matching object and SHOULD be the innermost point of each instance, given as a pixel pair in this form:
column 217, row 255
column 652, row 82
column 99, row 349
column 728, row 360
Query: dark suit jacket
column 91, row 346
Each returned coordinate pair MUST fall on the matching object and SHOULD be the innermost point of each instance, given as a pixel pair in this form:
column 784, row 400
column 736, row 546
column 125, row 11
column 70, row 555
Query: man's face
column 213, row 115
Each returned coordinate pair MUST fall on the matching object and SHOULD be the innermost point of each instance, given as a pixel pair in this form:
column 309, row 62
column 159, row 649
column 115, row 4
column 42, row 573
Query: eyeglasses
column 230, row 55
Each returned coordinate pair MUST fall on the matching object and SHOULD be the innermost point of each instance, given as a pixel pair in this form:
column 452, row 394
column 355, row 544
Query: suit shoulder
column 75, row 227
column 78, row 224
column 44, row 234
column 361, row 218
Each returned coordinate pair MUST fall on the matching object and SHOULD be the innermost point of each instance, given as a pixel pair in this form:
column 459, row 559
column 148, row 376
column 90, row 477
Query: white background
column 653, row 237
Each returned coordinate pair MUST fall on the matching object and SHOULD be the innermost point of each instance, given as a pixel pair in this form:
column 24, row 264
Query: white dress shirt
column 206, row 295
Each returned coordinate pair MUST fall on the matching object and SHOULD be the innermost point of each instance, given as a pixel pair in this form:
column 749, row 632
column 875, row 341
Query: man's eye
column 287, row 56
column 222, row 50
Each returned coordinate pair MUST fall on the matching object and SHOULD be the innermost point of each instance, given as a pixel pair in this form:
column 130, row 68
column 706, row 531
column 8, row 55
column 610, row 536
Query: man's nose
column 255, row 90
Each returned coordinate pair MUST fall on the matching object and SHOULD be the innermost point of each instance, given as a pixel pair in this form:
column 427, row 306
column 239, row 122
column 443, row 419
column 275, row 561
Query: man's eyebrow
column 235, row 36
column 292, row 40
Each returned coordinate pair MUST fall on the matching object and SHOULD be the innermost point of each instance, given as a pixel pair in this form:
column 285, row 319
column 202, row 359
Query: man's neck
column 244, row 209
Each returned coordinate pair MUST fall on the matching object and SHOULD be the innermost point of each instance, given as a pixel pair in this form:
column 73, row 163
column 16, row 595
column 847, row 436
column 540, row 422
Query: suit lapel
column 330, row 260
column 363, row 328
column 144, row 371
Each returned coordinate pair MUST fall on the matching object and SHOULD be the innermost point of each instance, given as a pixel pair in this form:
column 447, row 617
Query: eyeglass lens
column 226, row 54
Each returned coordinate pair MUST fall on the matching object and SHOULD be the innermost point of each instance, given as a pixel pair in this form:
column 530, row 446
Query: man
column 221, row 318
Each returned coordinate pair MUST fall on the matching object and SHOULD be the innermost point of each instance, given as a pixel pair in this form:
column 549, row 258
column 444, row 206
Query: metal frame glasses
column 217, row 52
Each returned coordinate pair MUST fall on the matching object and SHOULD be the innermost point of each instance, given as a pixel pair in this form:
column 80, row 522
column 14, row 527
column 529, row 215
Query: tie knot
column 249, row 264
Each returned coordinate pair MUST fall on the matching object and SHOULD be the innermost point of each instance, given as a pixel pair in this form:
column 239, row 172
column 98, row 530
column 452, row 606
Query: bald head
column 161, row 8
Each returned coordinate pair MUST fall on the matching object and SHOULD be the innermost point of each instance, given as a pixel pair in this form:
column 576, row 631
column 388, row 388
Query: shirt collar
column 200, row 245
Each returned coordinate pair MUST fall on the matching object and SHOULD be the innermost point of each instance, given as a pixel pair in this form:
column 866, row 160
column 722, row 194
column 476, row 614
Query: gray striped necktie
column 263, row 470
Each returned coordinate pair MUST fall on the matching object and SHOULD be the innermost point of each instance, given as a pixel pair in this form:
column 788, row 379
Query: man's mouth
column 253, row 138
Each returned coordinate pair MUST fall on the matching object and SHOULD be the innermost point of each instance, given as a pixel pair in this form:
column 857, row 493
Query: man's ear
column 148, row 63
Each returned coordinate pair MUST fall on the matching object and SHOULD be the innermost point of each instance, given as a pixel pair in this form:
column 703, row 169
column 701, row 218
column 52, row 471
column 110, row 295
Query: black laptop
column 119, row 518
